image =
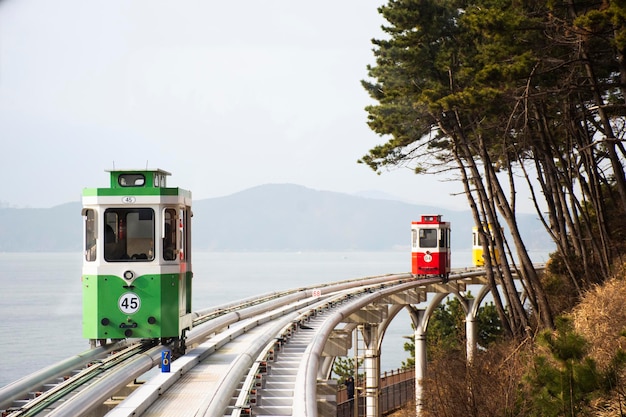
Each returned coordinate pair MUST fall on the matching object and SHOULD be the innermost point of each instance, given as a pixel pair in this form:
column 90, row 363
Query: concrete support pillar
column 371, row 364
column 420, row 370
column 418, row 318
column 471, row 332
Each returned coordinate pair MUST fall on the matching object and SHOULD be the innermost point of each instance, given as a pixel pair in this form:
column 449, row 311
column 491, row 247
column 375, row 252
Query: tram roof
column 132, row 170
column 430, row 219
column 147, row 181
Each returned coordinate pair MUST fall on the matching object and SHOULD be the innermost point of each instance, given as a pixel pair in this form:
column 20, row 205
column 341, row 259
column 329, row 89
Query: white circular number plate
column 428, row 257
column 129, row 303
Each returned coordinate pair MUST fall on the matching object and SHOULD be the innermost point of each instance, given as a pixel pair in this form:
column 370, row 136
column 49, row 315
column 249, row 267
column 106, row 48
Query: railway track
column 81, row 385
column 228, row 368
column 45, row 402
column 264, row 365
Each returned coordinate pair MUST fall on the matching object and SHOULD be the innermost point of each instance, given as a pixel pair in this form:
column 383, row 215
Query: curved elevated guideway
column 263, row 356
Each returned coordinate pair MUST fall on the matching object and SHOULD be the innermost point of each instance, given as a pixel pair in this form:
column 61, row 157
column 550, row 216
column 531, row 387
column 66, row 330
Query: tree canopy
column 505, row 94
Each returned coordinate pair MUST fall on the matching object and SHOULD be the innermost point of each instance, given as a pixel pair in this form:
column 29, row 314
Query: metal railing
column 397, row 389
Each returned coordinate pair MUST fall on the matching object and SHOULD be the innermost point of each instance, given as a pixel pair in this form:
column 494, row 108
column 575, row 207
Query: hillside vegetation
column 577, row 369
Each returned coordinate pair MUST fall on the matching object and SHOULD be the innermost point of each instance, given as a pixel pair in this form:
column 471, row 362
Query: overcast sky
column 224, row 95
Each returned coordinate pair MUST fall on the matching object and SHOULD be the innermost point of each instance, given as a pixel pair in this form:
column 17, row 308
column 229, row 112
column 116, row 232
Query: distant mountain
column 56, row 229
column 276, row 217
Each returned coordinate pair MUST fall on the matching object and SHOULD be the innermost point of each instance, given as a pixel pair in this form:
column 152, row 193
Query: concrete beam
column 449, row 287
column 370, row 314
column 338, row 344
column 477, row 280
column 412, row 296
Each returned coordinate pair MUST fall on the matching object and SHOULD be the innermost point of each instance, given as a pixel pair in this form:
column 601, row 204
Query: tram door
column 430, row 246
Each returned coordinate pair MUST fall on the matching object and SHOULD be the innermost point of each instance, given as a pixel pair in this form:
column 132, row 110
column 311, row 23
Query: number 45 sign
column 129, row 303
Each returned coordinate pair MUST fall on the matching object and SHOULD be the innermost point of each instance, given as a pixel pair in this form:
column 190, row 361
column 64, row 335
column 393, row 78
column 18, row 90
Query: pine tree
column 564, row 381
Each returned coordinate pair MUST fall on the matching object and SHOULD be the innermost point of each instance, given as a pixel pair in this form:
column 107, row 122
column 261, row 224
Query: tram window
column 414, row 238
column 183, row 234
column 444, row 241
column 129, row 234
column 159, row 180
column 90, row 235
column 428, row 238
column 477, row 239
column 132, row 180
column 169, row 235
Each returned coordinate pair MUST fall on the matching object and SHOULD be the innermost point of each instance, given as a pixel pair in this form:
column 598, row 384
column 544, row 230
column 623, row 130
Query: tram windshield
column 129, row 234
column 428, row 238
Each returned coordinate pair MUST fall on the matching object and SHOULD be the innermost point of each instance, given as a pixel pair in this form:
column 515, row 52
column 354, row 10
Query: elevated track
column 263, row 356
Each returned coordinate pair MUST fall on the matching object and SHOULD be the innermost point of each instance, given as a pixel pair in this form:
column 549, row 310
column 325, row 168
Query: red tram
column 430, row 247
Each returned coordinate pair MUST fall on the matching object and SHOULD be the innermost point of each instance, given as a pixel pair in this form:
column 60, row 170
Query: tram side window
column 444, row 241
column 169, row 235
column 129, row 234
column 182, row 216
column 414, row 238
column 428, row 238
column 90, row 235
column 477, row 239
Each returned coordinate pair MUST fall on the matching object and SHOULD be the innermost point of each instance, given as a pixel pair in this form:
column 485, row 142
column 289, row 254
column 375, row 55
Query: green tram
column 137, row 274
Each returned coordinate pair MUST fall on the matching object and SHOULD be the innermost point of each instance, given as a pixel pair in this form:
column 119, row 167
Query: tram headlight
column 128, row 275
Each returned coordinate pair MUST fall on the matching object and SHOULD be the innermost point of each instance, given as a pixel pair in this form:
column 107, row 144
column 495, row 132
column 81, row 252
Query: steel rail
column 139, row 401
column 204, row 315
column 246, row 310
column 217, row 404
column 243, row 399
column 80, row 379
column 35, row 381
column 108, row 385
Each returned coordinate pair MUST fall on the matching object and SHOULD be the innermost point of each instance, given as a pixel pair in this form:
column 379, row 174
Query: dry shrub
column 445, row 386
column 607, row 407
column 600, row 318
column 488, row 388
column 495, row 377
